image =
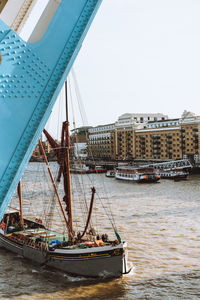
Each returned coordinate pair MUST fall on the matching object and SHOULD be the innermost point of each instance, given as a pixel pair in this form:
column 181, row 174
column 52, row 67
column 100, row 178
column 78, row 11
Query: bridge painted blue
column 31, row 77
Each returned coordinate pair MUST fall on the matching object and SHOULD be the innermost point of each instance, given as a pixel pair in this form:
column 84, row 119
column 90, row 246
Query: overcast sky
column 141, row 56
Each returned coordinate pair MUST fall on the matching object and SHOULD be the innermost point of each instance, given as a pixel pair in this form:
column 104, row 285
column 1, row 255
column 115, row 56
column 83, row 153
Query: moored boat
column 97, row 170
column 79, row 169
column 139, row 175
column 110, row 173
column 175, row 175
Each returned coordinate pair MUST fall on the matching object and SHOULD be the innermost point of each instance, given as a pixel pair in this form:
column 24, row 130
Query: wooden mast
column 63, row 160
column 62, row 153
column 66, row 169
column 54, row 185
column 19, row 190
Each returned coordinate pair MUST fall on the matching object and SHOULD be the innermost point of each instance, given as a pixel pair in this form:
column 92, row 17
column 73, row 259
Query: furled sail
column 31, row 76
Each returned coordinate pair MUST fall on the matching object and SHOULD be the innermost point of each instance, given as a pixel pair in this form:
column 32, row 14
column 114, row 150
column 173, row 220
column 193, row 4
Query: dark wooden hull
column 106, row 261
column 148, row 180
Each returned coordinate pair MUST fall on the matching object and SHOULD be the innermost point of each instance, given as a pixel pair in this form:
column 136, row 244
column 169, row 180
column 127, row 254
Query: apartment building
column 162, row 143
column 128, row 118
column 169, row 139
column 190, row 137
column 147, row 136
column 101, row 142
column 125, row 128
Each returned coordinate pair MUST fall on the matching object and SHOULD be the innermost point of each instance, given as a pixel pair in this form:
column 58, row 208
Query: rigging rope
column 83, row 116
column 79, row 99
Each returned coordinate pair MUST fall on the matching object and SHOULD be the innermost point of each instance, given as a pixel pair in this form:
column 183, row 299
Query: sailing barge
column 31, row 76
column 83, row 257
column 82, row 254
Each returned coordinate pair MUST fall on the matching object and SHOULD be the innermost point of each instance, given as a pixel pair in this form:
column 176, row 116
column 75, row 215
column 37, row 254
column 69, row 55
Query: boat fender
column 89, row 243
column 38, row 220
column 3, row 225
column 98, row 243
column 82, row 246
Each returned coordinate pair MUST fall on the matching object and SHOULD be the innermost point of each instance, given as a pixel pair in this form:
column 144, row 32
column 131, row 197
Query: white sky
column 141, row 56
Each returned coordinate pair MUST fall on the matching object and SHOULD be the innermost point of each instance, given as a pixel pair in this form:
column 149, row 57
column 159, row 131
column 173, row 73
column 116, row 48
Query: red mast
column 66, row 167
column 62, row 153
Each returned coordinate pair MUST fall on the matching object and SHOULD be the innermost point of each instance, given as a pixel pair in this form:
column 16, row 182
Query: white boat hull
column 137, row 177
column 132, row 177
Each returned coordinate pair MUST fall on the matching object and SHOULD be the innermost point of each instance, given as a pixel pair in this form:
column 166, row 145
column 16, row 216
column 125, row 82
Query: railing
column 176, row 164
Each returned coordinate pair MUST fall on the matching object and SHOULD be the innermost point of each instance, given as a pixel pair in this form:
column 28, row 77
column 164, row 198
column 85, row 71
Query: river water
column 161, row 224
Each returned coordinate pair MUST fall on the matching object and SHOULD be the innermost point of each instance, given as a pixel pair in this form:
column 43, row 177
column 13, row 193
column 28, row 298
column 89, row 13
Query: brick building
column 169, row 139
column 125, row 128
column 101, row 142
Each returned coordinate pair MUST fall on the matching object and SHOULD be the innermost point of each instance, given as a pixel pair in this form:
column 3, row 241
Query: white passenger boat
column 175, row 175
column 139, row 175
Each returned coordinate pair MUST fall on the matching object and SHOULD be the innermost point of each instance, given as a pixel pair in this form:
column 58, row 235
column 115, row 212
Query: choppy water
column 160, row 222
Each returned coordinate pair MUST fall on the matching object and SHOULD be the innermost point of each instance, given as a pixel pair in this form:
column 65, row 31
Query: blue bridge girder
column 31, row 77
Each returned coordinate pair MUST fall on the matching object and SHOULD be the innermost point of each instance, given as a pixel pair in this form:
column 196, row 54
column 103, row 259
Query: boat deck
column 43, row 234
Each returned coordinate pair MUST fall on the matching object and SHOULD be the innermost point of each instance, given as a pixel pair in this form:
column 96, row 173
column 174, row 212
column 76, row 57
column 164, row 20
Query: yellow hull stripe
column 11, row 242
column 88, row 256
